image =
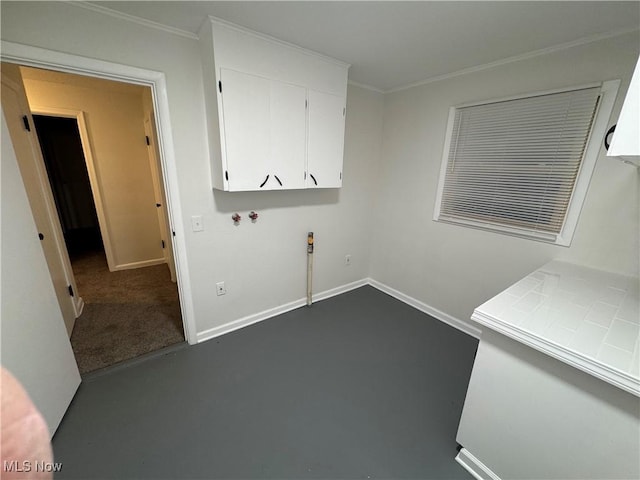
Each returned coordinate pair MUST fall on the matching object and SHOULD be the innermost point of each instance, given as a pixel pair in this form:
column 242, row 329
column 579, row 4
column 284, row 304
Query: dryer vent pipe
column 309, row 266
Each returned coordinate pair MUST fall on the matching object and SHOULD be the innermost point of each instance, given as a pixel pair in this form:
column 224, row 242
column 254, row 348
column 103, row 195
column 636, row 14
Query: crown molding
column 518, row 58
column 133, row 19
column 366, row 87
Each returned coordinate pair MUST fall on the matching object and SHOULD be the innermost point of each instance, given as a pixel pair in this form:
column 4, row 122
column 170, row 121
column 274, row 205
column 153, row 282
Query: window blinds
column 513, row 164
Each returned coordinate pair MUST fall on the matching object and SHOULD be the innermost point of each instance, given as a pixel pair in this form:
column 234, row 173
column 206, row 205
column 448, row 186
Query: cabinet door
column 246, row 120
column 326, row 140
column 288, row 136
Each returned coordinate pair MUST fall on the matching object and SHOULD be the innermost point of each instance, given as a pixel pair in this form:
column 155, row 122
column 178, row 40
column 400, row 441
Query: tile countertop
column 584, row 317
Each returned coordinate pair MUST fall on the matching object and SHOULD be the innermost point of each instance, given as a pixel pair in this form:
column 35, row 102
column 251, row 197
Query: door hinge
column 71, row 291
column 162, row 243
column 146, row 137
column 25, row 120
column 220, row 85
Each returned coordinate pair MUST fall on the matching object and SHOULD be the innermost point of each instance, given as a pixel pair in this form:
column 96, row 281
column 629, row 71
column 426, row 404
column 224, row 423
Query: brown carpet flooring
column 126, row 314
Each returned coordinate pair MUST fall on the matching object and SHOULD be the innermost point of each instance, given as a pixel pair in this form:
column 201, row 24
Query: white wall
column 455, row 269
column 263, row 264
column 115, row 124
column 385, row 206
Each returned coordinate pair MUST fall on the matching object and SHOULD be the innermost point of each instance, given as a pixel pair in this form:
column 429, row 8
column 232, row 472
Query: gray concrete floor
column 356, row 386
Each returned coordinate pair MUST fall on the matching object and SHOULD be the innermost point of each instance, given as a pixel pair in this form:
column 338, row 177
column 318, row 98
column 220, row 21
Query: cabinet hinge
column 226, row 175
column 173, row 233
column 25, row 120
column 340, row 175
column 305, row 175
column 344, row 111
column 220, row 85
column 162, row 243
column 146, row 137
column 306, row 104
column 71, row 290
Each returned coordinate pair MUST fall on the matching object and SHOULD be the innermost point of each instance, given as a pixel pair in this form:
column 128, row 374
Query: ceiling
column 393, row 44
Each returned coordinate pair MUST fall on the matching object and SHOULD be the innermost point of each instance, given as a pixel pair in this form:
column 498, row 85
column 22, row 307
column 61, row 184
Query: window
column 521, row 166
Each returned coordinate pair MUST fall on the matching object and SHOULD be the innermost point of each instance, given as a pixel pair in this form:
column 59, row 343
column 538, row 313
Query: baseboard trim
column 79, row 304
column 272, row 312
column 287, row 307
column 428, row 309
column 144, row 263
column 474, row 466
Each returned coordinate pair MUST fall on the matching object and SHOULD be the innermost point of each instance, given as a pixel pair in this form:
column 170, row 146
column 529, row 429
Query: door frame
column 158, row 192
column 63, row 62
column 87, row 151
column 45, row 214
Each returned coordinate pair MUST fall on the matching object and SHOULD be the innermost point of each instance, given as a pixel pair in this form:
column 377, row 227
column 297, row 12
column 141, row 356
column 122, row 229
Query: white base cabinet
column 276, row 113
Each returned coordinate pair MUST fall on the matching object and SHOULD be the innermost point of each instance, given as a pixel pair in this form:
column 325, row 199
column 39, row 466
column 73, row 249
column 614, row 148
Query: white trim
column 272, row 312
column 277, row 41
column 79, row 305
column 428, row 309
column 332, row 292
column 517, row 58
column 604, row 107
column 141, row 264
column 444, row 162
column 474, row 466
column 365, row 86
column 610, row 375
column 608, row 94
column 42, row 58
column 134, row 19
column 287, row 307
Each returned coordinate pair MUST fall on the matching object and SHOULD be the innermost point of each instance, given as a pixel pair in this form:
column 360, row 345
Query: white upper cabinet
column 245, row 107
column 264, row 135
column 326, row 140
column 275, row 112
column 288, row 118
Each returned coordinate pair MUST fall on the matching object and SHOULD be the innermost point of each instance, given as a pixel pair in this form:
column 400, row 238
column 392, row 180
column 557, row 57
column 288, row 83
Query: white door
column 158, row 191
column 326, row 140
column 35, row 346
column 245, row 107
column 33, row 170
column 288, row 141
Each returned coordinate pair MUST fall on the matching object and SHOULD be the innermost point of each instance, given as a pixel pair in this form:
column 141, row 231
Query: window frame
column 608, row 93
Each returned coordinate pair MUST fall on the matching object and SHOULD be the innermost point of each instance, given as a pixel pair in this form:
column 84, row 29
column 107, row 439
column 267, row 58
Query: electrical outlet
column 196, row 223
column 220, row 288
column 347, row 259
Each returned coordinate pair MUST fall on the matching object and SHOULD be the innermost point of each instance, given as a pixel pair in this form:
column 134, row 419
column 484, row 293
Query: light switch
column 196, row 223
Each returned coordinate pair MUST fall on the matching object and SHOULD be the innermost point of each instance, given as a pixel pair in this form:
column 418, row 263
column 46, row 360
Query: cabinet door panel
column 288, row 135
column 326, row 140
column 245, row 106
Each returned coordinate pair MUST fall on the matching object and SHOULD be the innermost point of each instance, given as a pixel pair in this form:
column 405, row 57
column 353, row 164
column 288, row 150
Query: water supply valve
column 253, row 216
column 236, row 218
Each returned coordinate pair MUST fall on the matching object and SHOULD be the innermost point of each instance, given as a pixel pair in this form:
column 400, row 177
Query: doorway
column 131, row 304
column 69, row 179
